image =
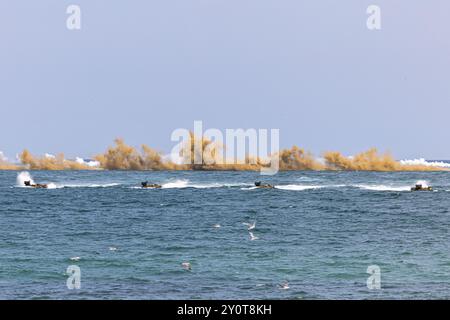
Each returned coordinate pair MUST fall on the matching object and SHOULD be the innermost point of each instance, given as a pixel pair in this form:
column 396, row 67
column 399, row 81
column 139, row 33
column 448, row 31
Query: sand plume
column 297, row 159
column 125, row 157
column 369, row 160
column 50, row 163
column 201, row 153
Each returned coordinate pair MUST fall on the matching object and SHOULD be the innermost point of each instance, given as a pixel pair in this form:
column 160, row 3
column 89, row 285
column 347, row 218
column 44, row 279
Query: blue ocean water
column 318, row 231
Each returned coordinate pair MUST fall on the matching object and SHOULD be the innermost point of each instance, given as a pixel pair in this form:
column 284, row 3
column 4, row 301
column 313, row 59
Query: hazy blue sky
column 140, row 69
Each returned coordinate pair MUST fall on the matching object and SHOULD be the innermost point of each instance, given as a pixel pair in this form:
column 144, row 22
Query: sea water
column 316, row 231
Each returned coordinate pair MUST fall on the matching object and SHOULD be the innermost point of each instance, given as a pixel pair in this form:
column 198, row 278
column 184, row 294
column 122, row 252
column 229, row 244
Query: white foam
column 186, row 184
column 423, row 162
column 382, row 187
column 250, row 188
column 175, row 184
column 218, row 185
column 90, row 185
column 22, row 177
column 25, row 176
column 297, row 187
column 205, row 186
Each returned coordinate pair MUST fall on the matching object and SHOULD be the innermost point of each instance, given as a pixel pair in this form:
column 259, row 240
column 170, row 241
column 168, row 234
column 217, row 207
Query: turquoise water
column 319, row 231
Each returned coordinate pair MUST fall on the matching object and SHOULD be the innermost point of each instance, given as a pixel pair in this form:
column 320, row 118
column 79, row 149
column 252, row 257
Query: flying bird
column 252, row 236
column 250, row 226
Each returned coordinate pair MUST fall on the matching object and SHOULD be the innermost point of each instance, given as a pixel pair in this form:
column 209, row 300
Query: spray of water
column 423, row 183
column 22, row 177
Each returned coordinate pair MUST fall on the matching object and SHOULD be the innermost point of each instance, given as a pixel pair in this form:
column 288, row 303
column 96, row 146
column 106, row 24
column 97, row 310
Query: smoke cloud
column 5, row 165
column 121, row 156
column 370, row 160
column 50, row 162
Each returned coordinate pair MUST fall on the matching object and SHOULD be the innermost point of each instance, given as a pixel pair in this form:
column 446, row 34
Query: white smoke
column 423, row 162
column 2, row 157
column 173, row 157
column 90, row 163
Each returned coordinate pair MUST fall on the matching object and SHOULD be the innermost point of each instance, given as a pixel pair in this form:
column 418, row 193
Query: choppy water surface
column 319, row 231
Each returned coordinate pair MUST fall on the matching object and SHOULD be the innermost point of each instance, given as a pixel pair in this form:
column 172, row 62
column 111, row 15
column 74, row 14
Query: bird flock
column 187, row 265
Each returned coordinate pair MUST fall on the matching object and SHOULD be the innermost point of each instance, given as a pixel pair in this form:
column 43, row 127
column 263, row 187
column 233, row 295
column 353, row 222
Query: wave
column 297, row 187
column 184, row 183
column 390, row 187
column 90, row 185
column 372, row 187
column 26, row 176
column 218, row 185
column 423, row 162
column 53, row 185
column 179, row 184
column 249, row 188
column 382, row 187
column 176, row 184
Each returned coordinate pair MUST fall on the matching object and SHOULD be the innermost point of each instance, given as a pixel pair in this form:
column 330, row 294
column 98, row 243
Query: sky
column 141, row 69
